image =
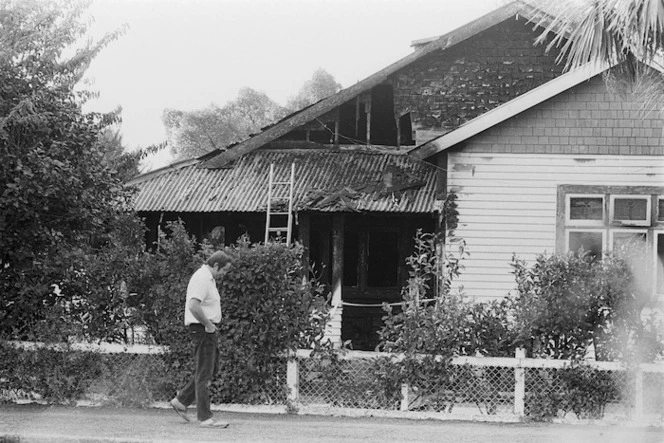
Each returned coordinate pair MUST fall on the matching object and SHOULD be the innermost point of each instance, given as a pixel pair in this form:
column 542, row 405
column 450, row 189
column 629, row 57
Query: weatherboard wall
column 506, row 177
column 507, row 206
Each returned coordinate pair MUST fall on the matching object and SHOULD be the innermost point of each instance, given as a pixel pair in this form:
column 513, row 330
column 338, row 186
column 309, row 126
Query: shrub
column 435, row 324
column 268, row 310
column 566, row 302
column 57, row 375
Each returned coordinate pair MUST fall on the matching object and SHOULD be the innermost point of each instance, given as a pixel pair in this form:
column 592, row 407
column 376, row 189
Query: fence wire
column 344, row 383
column 485, row 389
column 587, row 392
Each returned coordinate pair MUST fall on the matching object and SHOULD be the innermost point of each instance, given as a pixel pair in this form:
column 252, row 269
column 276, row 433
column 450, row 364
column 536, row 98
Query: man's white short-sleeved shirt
column 203, row 287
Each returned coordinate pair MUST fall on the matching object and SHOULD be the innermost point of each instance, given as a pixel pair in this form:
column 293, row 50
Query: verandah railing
column 355, row 382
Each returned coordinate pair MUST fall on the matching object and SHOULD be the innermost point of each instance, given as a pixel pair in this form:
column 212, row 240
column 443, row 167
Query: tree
column 57, row 196
column 322, row 84
column 116, row 158
column 612, row 31
column 194, row 133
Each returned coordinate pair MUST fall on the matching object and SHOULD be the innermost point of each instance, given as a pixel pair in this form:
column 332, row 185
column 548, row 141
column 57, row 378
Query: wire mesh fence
column 483, row 386
column 485, row 390
column 496, row 388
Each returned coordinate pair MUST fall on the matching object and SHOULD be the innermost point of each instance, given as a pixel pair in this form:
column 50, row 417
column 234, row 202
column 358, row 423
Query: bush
column 565, row 303
column 268, row 310
column 434, row 320
column 434, row 325
column 58, row 376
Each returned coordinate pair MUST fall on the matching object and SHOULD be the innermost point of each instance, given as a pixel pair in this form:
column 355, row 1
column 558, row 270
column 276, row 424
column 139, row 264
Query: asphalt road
column 34, row 423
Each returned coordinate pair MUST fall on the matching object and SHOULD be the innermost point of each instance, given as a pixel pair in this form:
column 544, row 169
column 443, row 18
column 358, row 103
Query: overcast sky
column 187, row 54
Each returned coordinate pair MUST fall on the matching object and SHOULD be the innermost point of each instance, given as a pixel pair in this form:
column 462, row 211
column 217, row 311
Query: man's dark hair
column 218, row 258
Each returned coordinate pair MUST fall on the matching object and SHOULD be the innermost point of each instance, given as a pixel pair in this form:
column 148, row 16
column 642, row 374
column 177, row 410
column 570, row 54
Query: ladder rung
column 278, row 229
column 279, row 213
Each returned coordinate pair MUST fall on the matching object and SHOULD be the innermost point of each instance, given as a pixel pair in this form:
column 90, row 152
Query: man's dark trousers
column 206, row 357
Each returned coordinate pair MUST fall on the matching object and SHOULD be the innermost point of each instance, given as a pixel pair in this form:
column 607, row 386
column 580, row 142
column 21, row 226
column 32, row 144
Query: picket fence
column 477, row 388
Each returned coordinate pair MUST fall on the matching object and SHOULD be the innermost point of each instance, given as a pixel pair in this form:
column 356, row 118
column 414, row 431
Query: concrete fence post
column 293, row 378
column 638, row 393
column 520, row 383
column 405, row 401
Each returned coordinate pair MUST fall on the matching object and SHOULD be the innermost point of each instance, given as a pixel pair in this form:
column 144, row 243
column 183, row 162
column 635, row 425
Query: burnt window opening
column 383, row 128
column 320, row 255
column 382, row 259
column 351, row 258
column 368, row 118
column 322, row 133
column 406, row 130
column 371, row 259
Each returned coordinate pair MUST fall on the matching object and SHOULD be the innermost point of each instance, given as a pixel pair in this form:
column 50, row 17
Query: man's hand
column 197, row 311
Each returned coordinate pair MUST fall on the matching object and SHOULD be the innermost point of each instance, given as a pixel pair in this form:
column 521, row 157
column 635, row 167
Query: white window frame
column 614, row 222
column 569, row 221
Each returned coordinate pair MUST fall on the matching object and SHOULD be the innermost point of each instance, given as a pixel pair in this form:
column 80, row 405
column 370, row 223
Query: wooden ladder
column 276, row 192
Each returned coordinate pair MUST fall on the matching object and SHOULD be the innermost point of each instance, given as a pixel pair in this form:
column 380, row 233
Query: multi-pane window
column 629, row 220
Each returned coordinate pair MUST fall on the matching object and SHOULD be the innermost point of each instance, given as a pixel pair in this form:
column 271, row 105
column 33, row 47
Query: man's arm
column 195, row 308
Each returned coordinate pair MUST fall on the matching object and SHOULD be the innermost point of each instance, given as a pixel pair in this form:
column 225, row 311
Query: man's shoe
column 180, row 409
column 212, row 423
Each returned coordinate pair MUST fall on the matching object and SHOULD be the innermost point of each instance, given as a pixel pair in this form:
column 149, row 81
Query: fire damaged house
column 538, row 160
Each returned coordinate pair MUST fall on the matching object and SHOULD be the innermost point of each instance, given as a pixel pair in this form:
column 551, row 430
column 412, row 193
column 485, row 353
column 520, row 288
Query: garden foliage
column 60, row 201
column 565, row 305
column 268, row 310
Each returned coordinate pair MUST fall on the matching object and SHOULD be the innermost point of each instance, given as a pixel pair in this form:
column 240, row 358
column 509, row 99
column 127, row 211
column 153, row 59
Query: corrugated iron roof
column 362, row 181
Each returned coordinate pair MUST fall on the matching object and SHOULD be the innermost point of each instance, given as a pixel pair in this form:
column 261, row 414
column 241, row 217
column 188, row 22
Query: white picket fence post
column 638, row 393
column 293, row 378
column 520, row 384
column 405, row 401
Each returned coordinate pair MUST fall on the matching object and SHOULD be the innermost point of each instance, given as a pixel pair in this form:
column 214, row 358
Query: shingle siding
column 585, row 120
column 447, row 88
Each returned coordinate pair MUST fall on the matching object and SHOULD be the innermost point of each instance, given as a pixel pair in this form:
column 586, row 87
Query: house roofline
column 172, row 166
column 443, row 42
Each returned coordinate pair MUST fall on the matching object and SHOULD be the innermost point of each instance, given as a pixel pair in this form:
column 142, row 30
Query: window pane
column 660, row 210
column 586, row 208
column 630, row 209
column 588, row 241
column 383, row 260
column 629, row 240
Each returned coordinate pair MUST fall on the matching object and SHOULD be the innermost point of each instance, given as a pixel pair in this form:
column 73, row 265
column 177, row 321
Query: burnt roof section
column 326, row 180
column 220, row 159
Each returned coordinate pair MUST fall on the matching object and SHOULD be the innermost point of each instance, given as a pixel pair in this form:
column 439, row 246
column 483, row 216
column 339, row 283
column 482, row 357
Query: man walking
column 202, row 314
